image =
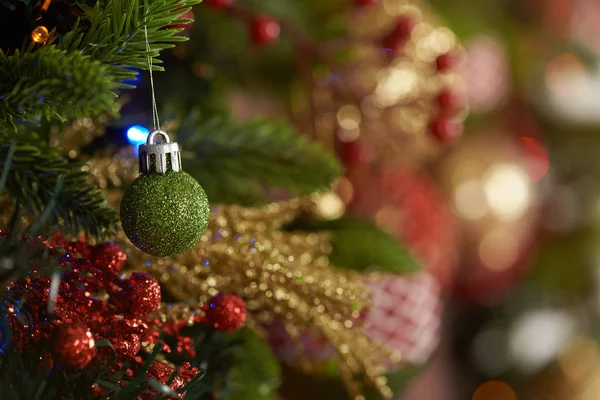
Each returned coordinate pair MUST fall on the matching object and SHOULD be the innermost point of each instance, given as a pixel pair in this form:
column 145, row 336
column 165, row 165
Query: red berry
column 446, row 129
column 446, row 61
column 142, row 294
column 219, row 4
column 73, row 345
column 360, row 3
column 401, row 33
column 226, row 312
column 450, row 101
column 264, row 30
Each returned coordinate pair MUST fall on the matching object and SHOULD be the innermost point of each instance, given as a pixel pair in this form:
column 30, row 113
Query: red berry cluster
column 445, row 127
column 91, row 302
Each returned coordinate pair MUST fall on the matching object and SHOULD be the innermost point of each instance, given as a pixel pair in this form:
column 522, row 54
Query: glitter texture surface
column 164, row 215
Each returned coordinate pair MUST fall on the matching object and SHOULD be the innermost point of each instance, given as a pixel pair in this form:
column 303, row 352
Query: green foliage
column 51, row 83
column 256, row 373
column 117, row 36
column 237, row 163
column 78, row 76
column 361, row 245
column 42, row 182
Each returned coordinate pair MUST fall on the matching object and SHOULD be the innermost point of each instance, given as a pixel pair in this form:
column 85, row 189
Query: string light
column 137, row 134
column 40, row 34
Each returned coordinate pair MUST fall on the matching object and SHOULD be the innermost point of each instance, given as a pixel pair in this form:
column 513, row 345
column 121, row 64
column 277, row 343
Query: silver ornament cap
column 161, row 156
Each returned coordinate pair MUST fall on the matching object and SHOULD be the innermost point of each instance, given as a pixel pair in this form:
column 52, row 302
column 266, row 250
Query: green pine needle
column 41, row 181
column 78, row 77
column 51, row 83
column 240, row 163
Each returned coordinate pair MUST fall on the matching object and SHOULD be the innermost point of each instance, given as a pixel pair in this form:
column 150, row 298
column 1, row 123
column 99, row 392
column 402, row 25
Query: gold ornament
column 40, row 34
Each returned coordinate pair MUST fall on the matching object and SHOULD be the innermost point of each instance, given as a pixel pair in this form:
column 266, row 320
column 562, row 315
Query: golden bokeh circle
column 494, row 390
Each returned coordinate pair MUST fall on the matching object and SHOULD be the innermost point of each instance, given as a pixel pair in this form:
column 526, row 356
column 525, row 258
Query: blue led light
column 137, row 134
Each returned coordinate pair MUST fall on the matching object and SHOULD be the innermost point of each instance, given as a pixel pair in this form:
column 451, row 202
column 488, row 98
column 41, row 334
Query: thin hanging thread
column 155, row 119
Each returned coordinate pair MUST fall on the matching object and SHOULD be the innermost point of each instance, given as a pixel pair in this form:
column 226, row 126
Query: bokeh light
column 137, row 134
column 537, row 336
column 494, row 390
column 507, row 190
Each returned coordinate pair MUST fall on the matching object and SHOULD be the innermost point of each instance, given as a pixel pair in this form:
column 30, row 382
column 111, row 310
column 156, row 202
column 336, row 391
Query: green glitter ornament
column 165, row 211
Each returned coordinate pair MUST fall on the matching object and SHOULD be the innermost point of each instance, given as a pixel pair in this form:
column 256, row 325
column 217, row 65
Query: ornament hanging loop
column 154, row 135
column 159, row 157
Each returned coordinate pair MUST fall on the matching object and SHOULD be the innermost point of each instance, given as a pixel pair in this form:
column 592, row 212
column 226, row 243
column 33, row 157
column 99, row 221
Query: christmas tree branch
column 117, row 33
column 51, row 83
column 42, row 182
column 78, row 77
column 238, row 163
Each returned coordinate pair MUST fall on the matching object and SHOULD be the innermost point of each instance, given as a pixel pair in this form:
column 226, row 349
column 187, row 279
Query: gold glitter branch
column 283, row 276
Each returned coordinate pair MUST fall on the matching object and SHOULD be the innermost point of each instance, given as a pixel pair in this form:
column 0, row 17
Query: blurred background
column 467, row 128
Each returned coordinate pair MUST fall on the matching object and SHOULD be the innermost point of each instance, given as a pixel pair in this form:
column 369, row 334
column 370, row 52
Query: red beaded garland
column 226, row 312
column 450, row 101
column 361, row 3
column 397, row 38
column 447, row 61
column 446, row 129
column 264, row 30
column 73, row 345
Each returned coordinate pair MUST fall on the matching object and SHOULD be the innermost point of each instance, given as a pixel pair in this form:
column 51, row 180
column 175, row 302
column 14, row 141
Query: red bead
column 446, row 129
column 73, row 345
column 264, row 30
column 219, row 4
column 402, row 32
column 361, row 3
column 450, row 101
column 447, row 61
column 226, row 312
column 142, row 294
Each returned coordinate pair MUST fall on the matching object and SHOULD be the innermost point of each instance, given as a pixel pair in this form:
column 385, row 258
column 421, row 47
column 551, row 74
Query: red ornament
column 402, row 32
column 447, row 61
column 450, row 101
column 219, row 4
column 73, row 345
column 264, row 30
column 142, row 294
column 446, row 129
column 108, row 256
column 409, row 204
column 406, row 315
column 226, row 312
column 361, row 3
